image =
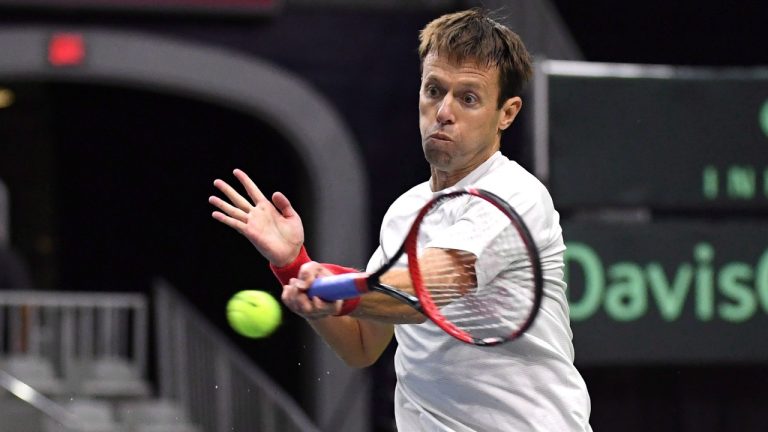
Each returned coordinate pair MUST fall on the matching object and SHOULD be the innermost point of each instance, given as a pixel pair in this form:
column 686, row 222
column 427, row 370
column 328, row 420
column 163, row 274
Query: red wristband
column 285, row 273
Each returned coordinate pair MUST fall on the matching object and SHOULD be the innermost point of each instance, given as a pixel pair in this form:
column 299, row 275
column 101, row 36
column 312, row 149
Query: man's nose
column 445, row 114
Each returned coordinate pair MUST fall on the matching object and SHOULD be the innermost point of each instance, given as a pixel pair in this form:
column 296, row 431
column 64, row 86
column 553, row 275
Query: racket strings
column 489, row 294
column 449, row 278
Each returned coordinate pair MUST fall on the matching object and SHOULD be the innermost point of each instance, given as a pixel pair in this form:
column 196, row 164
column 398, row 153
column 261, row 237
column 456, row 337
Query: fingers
column 233, row 196
column 250, row 187
column 229, row 209
column 308, row 272
column 295, row 298
column 295, row 294
column 230, row 222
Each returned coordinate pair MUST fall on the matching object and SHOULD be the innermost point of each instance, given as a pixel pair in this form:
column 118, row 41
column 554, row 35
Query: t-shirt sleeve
column 376, row 260
column 487, row 234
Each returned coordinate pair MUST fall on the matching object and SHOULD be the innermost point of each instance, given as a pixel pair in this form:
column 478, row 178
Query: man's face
column 459, row 117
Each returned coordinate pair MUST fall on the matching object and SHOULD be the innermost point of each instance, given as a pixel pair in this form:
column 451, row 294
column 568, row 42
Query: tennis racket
column 474, row 269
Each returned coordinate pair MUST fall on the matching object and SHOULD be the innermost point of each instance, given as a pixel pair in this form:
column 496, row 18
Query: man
column 473, row 70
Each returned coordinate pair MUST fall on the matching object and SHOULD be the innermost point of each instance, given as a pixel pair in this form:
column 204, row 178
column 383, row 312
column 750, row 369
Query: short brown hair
column 472, row 35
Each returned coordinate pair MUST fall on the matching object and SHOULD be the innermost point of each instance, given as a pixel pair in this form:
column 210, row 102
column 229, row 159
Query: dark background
column 98, row 204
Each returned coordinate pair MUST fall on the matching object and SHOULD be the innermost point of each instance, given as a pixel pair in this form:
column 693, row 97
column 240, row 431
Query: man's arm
column 358, row 342
column 275, row 229
column 439, row 268
column 360, row 338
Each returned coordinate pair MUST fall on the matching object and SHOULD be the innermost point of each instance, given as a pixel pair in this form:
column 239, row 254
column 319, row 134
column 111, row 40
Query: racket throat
column 411, row 300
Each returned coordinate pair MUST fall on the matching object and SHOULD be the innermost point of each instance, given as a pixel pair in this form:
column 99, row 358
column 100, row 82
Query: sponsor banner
column 682, row 291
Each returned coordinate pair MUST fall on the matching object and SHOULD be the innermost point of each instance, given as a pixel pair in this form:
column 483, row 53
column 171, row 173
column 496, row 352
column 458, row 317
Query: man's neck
column 440, row 179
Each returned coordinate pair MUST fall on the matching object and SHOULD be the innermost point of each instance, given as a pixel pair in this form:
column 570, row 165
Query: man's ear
column 509, row 111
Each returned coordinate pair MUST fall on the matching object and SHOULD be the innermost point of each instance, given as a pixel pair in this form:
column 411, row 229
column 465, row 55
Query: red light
column 66, row 49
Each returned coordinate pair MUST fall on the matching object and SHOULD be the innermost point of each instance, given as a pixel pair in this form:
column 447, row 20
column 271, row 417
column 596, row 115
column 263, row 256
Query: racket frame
column 422, row 300
column 410, row 246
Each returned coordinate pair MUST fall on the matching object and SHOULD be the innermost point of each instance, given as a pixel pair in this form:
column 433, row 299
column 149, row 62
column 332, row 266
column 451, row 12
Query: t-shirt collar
column 477, row 173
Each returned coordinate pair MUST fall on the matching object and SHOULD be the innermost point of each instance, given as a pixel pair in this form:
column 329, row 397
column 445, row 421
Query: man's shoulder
column 407, row 204
column 510, row 168
column 418, row 194
column 509, row 179
column 401, row 212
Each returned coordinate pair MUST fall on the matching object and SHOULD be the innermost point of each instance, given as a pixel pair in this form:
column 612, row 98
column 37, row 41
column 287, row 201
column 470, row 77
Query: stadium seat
column 154, row 415
column 35, row 371
column 93, row 416
column 109, row 377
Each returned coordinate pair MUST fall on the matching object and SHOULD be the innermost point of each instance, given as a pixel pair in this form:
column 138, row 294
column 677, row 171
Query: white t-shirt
column 529, row 384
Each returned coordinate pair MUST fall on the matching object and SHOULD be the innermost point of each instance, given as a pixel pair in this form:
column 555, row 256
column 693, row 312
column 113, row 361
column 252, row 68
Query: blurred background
column 647, row 120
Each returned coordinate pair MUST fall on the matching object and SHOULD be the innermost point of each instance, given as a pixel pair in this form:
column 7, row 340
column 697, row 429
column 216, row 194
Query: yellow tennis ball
column 253, row 314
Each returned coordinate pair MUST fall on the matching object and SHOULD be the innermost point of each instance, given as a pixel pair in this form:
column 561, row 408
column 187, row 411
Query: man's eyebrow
column 431, row 78
column 472, row 84
column 467, row 83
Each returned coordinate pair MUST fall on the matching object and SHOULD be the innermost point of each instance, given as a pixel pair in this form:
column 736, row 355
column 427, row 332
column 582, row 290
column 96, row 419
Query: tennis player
column 473, row 71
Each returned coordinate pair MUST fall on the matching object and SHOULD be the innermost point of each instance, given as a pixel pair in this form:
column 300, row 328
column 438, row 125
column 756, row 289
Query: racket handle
column 339, row 287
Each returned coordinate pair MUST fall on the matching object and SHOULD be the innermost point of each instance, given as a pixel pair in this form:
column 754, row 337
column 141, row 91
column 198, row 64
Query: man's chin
column 438, row 159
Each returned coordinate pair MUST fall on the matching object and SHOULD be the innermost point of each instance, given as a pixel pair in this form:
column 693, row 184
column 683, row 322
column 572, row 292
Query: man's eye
column 469, row 99
column 432, row 91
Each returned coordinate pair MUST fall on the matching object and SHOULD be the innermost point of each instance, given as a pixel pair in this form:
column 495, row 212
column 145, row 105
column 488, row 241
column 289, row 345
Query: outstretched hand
column 273, row 227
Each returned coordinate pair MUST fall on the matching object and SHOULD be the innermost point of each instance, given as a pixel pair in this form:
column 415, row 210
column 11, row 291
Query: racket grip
column 339, row 287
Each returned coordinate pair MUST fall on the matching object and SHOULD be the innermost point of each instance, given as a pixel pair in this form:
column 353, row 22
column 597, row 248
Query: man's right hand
column 274, row 228
column 295, row 294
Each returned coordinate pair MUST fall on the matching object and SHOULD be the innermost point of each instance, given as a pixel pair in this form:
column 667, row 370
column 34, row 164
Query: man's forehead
column 435, row 64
